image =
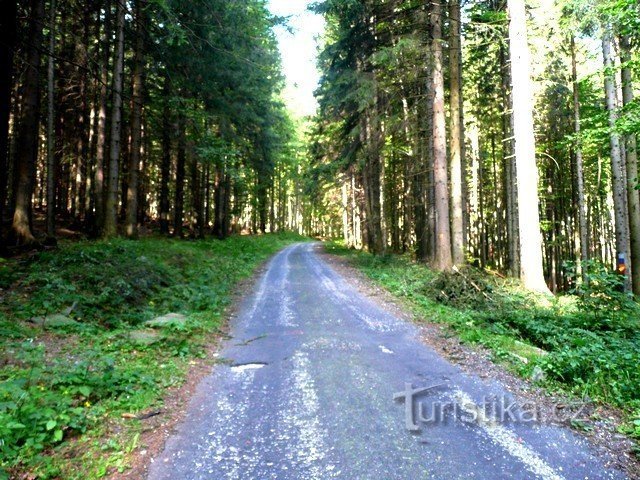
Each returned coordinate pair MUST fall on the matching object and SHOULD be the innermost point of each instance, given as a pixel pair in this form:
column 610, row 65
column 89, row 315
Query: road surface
column 308, row 393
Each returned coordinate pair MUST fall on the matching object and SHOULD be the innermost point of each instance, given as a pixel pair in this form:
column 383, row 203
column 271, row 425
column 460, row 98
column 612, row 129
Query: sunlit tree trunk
column 442, row 259
column 27, row 143
column 582, row 213
column 531, row 271
column 617, row 163
column 457, row 134
column 632, row 169
column 110, row 214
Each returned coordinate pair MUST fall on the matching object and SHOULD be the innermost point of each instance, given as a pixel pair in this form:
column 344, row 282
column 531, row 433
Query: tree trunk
column 632, row 170
column 371, row 177
column 131, row 222
column 83, row 112
column 582, row 213
column 51, row 160
column 197, row 205
column 457, row 134
column 101, row 140
column 180, row 174
column 7, row 44
column 530, row 236
column 511, row 187
column 443, row 259
column 617, row 163
column 27, row 145
column 165, row 166
column 219, row 203
column 110, row 214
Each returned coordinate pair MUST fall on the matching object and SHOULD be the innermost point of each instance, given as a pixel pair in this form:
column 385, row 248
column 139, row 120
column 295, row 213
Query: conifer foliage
column 490, row 132
column 117, row 115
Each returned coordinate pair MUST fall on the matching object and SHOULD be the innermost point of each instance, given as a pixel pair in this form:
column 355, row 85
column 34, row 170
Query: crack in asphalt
column 320, row 402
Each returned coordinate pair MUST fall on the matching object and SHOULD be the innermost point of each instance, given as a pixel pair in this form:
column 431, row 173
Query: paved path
column 310, row 395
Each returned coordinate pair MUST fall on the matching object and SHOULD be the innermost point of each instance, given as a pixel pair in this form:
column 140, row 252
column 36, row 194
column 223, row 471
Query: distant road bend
column 309, row 394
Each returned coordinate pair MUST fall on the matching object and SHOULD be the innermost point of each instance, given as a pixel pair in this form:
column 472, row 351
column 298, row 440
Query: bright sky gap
column 298, row 47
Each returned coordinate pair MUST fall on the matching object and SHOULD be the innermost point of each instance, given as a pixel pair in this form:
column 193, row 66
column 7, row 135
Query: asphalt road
column 309, row 394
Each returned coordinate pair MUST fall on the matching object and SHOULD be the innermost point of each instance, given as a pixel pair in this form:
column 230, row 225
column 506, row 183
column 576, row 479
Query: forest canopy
column 495, row 133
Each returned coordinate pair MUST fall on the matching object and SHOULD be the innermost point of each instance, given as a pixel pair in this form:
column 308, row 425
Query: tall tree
column 110, row 213
column 617, row 162
column 442, row 259
column 579, row 166
column 131, row 224
column 7, row 45
column 51, row 160
column 632, row 167
column 165, row 166
column 531, row 271
column 101, row 131
column 457, row 133
column 27, row 143
column 178, row 215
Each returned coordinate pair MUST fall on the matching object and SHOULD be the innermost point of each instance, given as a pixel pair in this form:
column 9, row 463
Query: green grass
column 586, row 346
column 63, row 390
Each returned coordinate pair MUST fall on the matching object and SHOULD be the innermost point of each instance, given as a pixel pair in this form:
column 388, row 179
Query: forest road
column 308, row 393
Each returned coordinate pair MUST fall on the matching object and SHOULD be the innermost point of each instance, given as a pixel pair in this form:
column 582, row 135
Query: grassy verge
column 77, row 360
column 587, row 346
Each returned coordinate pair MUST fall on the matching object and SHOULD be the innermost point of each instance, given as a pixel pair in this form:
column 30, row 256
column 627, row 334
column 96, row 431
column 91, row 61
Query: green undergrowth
column 587, row 345
column 77, row 362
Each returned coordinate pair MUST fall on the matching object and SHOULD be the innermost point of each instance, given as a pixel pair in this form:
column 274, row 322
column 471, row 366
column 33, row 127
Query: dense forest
column 467, row 158
column 119, row 115
column 487, row 132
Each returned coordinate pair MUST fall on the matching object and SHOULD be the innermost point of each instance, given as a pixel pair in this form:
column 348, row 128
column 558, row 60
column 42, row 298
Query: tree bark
column 371, row 177
column 110, row 214
column 83, row 118
column 27, row 144
column 632, row 170
column 530, row 236
column 51, row 160
column 617, row 163
column 180, row 174
column 582, row 213
column 457, row 134
column 7, row 45
column 165, row 166
column 511, row 187
column 131, row 222
column 197, row 205
column 101, row 140
column 443, row 258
